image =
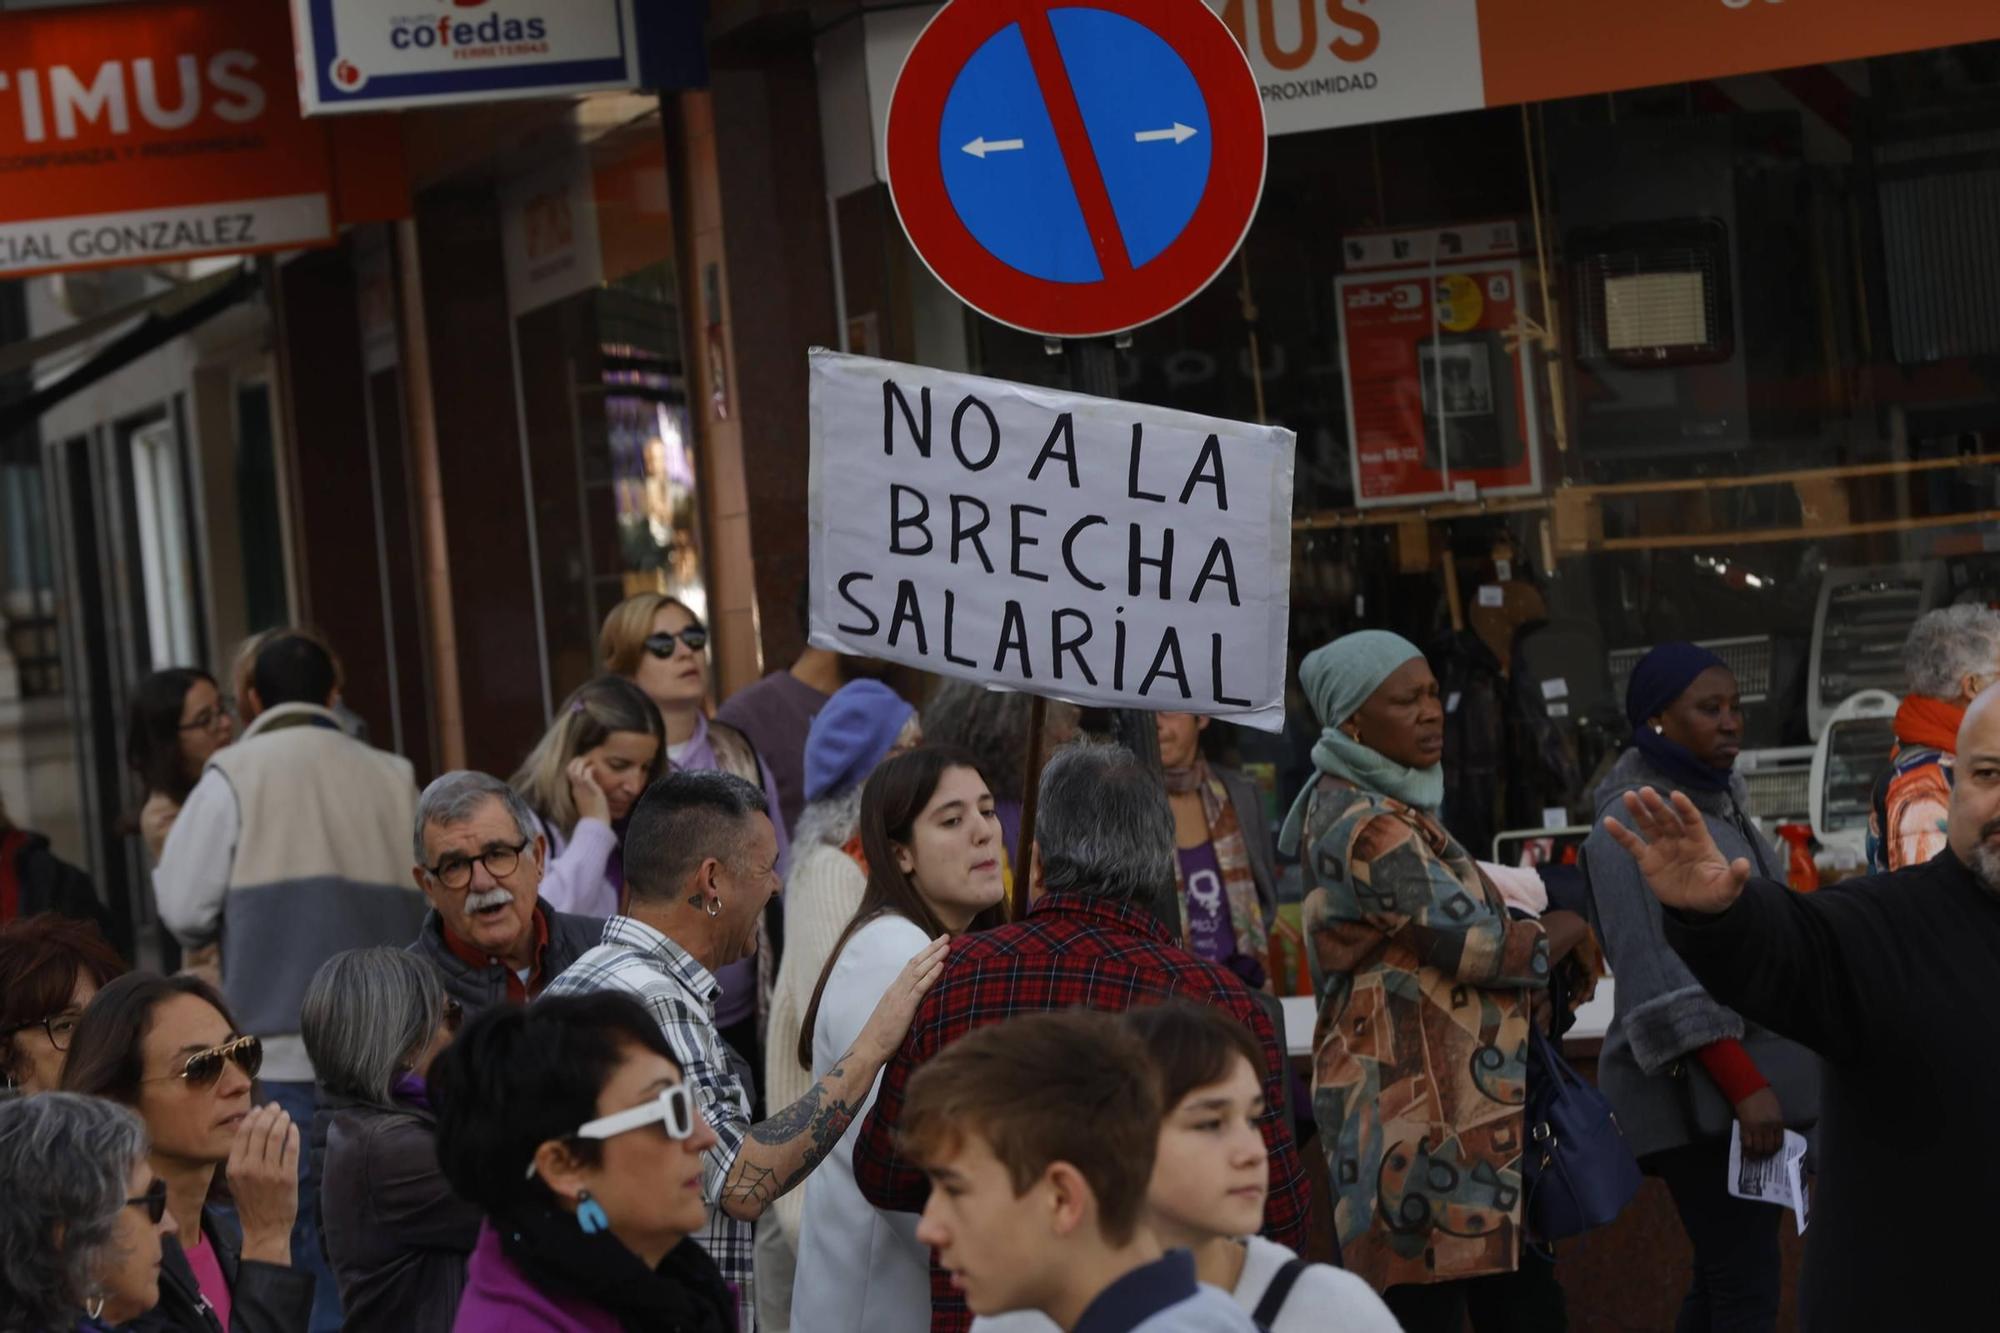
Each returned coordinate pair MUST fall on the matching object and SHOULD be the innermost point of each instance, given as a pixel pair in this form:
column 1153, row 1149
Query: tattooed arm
column 782, row 1151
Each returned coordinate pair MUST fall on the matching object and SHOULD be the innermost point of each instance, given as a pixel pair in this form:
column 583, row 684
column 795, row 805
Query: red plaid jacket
column 1070, row 951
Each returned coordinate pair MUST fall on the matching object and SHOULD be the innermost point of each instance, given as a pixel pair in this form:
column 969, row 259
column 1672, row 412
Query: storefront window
column 597, row 309
column 1713, row 361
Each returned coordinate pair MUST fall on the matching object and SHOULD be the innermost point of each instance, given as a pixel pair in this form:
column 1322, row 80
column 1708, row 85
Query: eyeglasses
column 499, row 862
column 662, row 644
column 59, row 1027
column 454, row 1016
column 672, row 1111
column 203, row 1068
column 211, row 719
column 154, row 1201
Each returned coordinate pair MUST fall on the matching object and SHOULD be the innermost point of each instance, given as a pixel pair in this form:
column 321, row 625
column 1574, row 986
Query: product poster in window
column 1440, row 404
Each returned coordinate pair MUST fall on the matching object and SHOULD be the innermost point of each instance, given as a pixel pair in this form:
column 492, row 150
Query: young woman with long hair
column 932, row 845
column 595, row 761
column 178, row 718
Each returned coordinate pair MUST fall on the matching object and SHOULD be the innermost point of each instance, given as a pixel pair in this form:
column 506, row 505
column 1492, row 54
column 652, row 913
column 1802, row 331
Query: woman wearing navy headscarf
column 1677, row 1066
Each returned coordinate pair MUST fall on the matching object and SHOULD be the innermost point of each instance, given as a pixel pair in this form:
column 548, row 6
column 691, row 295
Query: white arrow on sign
column 981, row 146
column 1179, row 134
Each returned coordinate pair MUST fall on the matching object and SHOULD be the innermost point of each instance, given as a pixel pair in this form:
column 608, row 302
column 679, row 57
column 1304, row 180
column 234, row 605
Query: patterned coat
column 1420, row 1050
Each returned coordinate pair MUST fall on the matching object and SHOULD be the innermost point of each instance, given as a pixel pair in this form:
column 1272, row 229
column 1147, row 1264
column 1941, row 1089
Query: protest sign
column 1108, row 553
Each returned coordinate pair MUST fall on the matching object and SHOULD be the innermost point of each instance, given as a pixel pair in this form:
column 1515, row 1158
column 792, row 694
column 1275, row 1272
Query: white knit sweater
column 822, row 894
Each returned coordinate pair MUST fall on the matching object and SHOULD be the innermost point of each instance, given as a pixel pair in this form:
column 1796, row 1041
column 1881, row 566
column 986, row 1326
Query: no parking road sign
column 1076, row 167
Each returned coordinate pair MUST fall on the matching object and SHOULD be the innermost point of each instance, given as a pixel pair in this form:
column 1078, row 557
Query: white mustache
column 479, row 902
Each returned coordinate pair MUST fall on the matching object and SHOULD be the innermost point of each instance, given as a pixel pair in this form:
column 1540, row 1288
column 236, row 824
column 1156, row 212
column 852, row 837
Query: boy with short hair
column 1038, row 1136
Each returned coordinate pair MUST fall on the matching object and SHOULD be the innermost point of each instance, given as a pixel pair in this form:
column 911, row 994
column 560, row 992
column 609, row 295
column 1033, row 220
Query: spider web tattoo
column 817, row 1118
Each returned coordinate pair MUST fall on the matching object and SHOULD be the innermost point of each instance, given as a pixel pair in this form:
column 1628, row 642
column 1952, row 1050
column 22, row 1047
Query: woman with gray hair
column 396, row 1236
column 81, row 1216
column 1951, row 655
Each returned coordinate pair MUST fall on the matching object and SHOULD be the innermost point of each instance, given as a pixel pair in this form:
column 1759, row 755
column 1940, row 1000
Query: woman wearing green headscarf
column 1425, row 987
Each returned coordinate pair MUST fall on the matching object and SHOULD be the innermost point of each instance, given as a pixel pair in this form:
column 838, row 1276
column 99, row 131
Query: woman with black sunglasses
column 396, row 1236
column 569, row 1124
column 167, row 1048
column 81, row 1216
column 659, row 644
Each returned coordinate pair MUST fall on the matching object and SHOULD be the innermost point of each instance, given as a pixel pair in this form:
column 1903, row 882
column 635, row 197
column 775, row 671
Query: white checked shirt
column 680, row 994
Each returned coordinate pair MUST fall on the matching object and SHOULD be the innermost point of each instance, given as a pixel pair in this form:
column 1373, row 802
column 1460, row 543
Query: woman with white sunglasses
column 568, row 1123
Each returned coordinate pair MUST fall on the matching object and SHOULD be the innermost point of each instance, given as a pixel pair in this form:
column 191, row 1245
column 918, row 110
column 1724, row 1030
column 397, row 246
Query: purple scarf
column 411, row 1089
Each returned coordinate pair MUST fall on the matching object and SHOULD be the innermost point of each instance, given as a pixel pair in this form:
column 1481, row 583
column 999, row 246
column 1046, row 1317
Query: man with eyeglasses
column 290, row 849
column 479, row 863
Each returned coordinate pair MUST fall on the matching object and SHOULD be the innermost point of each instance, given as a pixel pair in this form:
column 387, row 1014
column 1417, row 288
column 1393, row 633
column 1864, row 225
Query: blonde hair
column 623, row 640
column 598, row 708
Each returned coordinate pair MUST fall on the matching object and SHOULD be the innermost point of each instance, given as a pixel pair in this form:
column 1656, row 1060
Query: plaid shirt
column 680, row 995
column 1071, row 951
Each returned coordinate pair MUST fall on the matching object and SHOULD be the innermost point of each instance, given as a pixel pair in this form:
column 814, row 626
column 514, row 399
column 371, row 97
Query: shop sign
column 1110, row 553
column 1321, row 64
column 1327, row 63
column 549, row 235
column 371, row 55
column 137, row 134
column 1076, row 169
column 1441, row 404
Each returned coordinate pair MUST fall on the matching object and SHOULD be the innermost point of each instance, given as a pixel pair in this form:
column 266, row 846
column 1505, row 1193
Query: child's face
column 999, row 1247
column 1213, row 1171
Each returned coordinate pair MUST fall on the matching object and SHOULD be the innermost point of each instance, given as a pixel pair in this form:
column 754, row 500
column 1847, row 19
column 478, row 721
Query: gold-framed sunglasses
column 203, row 1068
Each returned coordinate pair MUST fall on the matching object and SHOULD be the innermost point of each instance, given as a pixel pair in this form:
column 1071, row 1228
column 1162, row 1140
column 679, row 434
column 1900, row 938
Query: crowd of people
column 739, row 1023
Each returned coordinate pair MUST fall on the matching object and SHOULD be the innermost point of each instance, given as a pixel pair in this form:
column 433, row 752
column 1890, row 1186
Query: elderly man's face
column 1975, row 790
column 488, row 911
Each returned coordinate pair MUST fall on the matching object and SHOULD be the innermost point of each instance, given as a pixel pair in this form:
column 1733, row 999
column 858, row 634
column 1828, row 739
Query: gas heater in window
column 1655, row 294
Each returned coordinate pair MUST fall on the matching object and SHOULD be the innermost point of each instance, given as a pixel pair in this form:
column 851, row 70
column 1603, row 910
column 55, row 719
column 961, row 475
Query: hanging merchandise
column 1441, row 403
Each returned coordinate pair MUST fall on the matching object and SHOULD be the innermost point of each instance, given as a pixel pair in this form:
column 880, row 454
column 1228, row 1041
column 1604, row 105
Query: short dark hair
column 1192, row 1045
column 517, row 1077
column 293, row 669
column 1071, row 1086
column 106, row 1054
column 153, row 731
column 41, row 957
column 684, row 819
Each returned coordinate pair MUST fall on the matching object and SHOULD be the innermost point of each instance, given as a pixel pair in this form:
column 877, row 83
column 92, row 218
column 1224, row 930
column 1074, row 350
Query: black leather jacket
column 263, row 1298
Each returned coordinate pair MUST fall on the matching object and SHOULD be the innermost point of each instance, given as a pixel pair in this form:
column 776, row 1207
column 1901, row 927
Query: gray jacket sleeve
column 1663, row 1009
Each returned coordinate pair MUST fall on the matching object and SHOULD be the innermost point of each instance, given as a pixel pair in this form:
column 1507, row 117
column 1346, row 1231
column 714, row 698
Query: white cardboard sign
column 1104, row 552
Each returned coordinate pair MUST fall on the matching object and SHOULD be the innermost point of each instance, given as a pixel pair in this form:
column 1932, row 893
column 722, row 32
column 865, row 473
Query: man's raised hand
column 1680, row 861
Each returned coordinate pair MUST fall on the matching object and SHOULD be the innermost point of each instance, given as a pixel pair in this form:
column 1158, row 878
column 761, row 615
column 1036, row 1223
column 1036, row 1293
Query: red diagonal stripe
column 1074, row 139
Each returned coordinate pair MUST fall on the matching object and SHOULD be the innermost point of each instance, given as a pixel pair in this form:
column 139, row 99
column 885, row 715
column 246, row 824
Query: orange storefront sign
column 1326, row 63
column 133, row 134
column 1536, row 50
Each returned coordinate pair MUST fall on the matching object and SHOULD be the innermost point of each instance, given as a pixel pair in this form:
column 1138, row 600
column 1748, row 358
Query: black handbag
column 1576, row 1168
column 1792, row 1071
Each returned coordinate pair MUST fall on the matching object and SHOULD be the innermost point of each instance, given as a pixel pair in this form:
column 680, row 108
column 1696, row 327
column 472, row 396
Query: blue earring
column 590, row 1215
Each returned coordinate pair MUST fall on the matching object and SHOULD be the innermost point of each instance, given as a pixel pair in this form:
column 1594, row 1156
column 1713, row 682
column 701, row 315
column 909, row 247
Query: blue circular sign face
column 1148, row 128
column 1076, row 167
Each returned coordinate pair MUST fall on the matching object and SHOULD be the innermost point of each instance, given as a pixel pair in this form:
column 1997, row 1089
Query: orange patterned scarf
column 1232, row 856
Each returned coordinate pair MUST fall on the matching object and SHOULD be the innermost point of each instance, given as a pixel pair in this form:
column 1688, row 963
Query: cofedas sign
column 138, row 133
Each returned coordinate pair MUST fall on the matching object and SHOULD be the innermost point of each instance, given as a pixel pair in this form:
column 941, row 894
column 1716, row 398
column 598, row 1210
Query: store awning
column 159, row 319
